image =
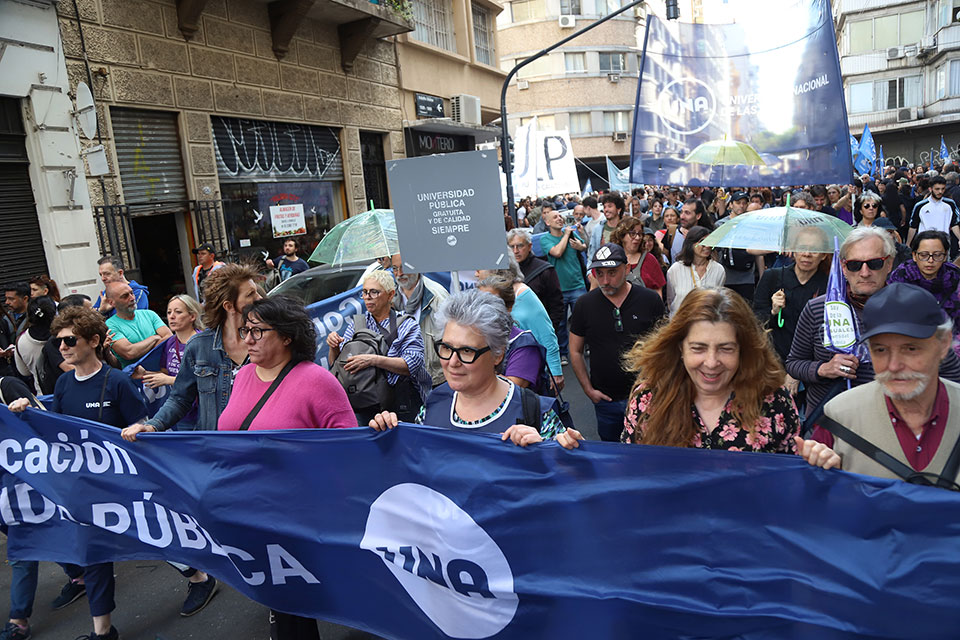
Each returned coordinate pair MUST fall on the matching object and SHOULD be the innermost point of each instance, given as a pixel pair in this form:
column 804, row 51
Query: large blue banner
column 742, row 104
column 424, row 533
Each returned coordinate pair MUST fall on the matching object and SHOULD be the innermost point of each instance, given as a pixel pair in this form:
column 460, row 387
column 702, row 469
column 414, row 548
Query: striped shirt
column 408, row 345
column 807, row 353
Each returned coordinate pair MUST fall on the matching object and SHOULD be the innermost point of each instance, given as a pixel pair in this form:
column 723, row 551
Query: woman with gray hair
column 476, row 329
column 869, row 207
column 530, row 314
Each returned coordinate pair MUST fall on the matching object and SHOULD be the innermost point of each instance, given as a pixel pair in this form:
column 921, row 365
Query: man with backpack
column 379, row 360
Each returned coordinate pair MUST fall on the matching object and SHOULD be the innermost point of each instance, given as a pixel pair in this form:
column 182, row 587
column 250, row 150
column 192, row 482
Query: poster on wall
column 288, row 220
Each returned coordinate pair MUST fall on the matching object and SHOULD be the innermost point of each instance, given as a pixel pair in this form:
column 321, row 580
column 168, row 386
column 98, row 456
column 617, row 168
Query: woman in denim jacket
column 211, row 358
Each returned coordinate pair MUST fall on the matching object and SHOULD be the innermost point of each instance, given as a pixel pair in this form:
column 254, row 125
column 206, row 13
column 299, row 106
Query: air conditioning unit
column 928, row 44
column 465, row 109
column 620, row 136
column 910, row 50
column 523, row 84
column 614, row 77
column 907, row 114
column 640, row 11
column 568, row 22
column 894, row 53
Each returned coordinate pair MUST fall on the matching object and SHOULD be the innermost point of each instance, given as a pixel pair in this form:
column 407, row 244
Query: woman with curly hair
column 724, row 391
column 642, row 267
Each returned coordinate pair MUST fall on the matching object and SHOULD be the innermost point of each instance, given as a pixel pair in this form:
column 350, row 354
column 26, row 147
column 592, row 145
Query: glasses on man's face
column 370, row 293
column 516, row 247
column 70, row 341
column 618, row 322
column 926, row 256
column 256, row 332
column 874, row 264
column 467, row 355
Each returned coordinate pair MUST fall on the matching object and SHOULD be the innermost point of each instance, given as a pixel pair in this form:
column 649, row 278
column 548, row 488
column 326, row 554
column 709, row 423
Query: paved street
column 149, row 594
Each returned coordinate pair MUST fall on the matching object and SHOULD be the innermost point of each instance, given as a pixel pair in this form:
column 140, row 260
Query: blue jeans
column 610, row 416
column 23, row 585
column 563, row 335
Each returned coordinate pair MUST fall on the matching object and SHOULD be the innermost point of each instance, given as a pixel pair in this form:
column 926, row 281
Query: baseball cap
column 206, row 246
column 903, row 181
column 609, row 255
column 901, row 308
column 884, row 223
column 739, row 195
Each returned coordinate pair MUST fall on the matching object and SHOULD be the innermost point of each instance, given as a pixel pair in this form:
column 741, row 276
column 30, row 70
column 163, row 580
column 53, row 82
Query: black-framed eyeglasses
column 256, row 332
column 370, row 293
column 467, row 355
column 71, row 341
column 618, row 322
column 874, row 264
column 633, row 233
column 925, row 256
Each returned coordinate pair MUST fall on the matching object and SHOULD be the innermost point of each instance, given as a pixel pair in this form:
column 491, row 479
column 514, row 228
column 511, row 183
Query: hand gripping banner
column 742, row 104
column 421, row 533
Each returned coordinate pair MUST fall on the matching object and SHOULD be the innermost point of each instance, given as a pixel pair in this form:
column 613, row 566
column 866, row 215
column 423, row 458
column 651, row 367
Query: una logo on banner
column 445, row 561
column 687, row 106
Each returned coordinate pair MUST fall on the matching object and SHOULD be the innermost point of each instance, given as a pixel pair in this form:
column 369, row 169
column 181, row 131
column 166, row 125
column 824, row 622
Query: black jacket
column 546, row 285
column 797, row 296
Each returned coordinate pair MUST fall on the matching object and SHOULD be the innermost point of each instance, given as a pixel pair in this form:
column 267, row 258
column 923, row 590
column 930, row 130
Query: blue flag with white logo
column 867, row 153
column 742, row 104
column 421, row 533
column 944, row 152
column 854, row 148
column 619, row 179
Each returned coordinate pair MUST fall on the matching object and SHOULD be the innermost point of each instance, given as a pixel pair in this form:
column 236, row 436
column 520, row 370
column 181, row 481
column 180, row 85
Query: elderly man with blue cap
column 906, row 422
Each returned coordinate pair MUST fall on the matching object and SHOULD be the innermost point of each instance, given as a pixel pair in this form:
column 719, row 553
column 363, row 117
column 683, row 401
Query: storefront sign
column 425, row 143
column 429, row 106
column 288, row 220
column 448, row 211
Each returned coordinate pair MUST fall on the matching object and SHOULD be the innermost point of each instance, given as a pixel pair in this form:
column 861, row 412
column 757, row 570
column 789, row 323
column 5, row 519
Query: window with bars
column 482, row 35
column 433, row 22
column 612, row 63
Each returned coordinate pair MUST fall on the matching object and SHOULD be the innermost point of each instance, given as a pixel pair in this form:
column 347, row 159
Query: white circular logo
column 452, row 240
column 445, row 561
column 152, row 395
column 686, row 106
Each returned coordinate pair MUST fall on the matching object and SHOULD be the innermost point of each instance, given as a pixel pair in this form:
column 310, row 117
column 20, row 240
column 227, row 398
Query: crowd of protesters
column 674, row 343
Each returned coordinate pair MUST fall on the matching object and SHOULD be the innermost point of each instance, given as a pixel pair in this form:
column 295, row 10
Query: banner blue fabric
column 944, row 152
column 867, row 153
column 426, row 533
column 776, row 95
column 150, row 361
column 618, row 179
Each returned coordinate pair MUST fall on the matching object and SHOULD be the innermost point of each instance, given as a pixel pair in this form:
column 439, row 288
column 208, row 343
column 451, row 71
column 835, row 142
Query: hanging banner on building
column 422, row 533
column 448, row 211
column 287, row 220
column 742, row 104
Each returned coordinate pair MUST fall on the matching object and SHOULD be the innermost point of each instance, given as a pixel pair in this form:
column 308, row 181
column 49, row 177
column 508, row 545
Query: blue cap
column 901, row 308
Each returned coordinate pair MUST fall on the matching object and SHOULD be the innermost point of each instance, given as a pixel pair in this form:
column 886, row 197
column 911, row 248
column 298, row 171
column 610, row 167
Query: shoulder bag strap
column 949, row 473
column 869, row 449
column 537, row 270
column 531, row 408
column 103, row 393
column 266, row 396
column 390, row 336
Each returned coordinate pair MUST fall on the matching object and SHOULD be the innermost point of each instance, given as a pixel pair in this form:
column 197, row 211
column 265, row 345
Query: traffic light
column 673, row 10
column 513, row 158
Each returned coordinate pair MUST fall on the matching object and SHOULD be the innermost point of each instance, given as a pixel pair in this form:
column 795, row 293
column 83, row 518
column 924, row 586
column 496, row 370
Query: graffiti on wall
column 279, row 149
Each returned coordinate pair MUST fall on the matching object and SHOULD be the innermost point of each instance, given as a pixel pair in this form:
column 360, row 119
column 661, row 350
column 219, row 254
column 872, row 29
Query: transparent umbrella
column 367, row 236
column 725, row 152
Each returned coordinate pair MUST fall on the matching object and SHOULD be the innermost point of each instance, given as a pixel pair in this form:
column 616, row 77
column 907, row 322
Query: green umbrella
column 725, row 152
column 367, row 236
column 780, row 229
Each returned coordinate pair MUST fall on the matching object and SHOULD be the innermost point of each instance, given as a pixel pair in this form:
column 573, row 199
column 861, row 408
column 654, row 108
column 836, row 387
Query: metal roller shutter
column 149, row 155
column 258, row 151
column 22, row 256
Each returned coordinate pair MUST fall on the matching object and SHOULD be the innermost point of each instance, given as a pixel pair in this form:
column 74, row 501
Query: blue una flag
column 944, row 152
column 712, row 108
column 867, row 153
column 423, row 534
column 854, row 148
column 618, row 178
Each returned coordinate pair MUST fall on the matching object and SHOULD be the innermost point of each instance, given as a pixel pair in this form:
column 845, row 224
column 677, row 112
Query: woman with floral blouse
column 708, row 379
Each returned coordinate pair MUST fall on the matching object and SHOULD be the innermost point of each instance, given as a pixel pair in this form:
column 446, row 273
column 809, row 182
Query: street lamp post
column 506, row 161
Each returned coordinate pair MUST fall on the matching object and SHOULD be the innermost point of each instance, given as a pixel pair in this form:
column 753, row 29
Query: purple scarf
column 943, row 286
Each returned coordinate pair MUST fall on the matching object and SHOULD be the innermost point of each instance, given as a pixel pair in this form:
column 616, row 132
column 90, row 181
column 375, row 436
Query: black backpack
column 736, row 259
column 368, row 387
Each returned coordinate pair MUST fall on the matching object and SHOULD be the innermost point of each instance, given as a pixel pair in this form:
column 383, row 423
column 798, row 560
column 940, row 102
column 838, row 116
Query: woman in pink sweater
column 281, row 342
column 299, row 394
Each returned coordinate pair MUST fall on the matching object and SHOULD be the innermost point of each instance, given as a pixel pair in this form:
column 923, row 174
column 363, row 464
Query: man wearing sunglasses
column 867, row 257
column 906, row 412
column 609, row 319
